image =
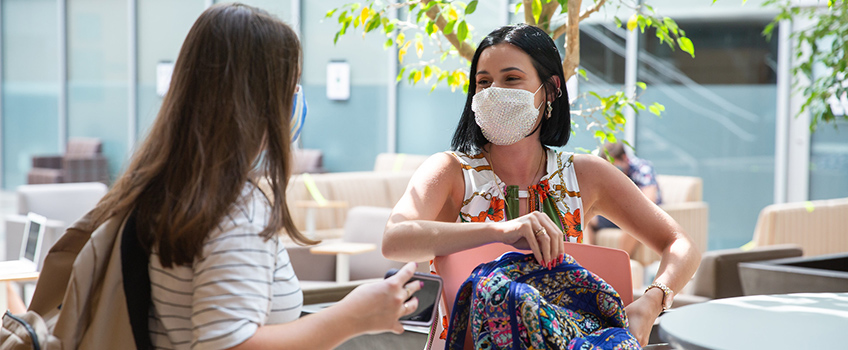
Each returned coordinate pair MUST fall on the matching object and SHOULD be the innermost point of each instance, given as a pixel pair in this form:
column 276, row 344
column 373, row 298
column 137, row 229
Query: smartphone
column 428, row 297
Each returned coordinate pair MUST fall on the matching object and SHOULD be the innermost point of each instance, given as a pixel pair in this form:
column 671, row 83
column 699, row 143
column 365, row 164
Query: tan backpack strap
column 56, row 270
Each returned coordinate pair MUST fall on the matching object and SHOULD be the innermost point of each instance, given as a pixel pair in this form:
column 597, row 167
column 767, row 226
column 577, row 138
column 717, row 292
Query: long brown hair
column 230, row 98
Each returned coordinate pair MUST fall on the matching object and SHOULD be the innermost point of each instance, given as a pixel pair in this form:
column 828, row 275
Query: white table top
column 783, row 321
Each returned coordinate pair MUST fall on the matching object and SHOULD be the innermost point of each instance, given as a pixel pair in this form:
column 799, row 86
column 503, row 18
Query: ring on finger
column 408, row 293
column 539, row 231
column 405, row 306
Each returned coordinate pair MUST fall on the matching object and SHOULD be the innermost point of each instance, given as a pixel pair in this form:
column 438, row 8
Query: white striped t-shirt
column 240, row 282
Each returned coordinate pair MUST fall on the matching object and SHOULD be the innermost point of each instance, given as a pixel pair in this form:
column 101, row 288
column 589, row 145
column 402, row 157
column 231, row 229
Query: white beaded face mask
column 505, row 115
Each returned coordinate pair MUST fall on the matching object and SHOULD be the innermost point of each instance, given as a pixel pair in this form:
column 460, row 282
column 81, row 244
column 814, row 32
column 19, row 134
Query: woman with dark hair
column 220, row 275
column 502, row 182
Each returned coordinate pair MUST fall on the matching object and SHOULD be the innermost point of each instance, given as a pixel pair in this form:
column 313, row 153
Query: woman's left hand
column 641, row 315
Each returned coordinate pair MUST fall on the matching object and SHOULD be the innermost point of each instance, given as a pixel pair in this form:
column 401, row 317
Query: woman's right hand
column 537, row 232
column 376, row 307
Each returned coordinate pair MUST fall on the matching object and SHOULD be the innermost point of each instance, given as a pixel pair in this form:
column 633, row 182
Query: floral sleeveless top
column 557, row 195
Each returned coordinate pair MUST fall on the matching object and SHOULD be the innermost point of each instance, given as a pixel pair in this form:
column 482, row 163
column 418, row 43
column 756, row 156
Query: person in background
column 220, row 275
column 642, row 173
column 504, row 183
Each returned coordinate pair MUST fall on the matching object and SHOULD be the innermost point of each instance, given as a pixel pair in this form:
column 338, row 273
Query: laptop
column 30, row 247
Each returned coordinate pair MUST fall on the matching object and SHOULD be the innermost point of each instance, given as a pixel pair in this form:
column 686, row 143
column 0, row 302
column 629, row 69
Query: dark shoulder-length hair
column 230, row 98
column 556, row 130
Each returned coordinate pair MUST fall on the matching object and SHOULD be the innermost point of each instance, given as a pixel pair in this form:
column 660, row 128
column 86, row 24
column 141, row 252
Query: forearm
column 679, row 261
column 324, row 330
column 422, row 240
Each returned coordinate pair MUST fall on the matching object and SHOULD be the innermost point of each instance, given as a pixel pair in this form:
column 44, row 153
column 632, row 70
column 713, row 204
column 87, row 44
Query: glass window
column 335, row 127
column 829, row 161
column 719, row 122
column 162, row 28
column 30, row 85
column 98, row 75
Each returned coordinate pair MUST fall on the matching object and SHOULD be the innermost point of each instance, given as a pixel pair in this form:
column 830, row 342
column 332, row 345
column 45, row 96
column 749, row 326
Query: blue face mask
column 298, row 116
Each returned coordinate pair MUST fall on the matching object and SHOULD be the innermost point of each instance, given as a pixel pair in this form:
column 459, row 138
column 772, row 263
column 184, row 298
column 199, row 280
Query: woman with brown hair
column 220, row 276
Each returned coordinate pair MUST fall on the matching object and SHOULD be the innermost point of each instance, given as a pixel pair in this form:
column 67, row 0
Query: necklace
column 521, row 193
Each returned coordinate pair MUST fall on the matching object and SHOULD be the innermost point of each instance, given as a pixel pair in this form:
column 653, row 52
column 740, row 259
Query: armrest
column 324, row 292
column 349, row 248
column 86, row 169
column 50, row 162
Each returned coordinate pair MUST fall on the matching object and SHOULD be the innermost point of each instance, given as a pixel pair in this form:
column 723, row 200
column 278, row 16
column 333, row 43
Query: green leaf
column 330, row 13
column 686, row 45
column 431, row 27
column 400, row 74
column 642, row 85
column 449, row 27
column 671, row 25
column 656, row 108
column 429, row 6
column 471, row 7
column 518, row 6
column 537, row 9
column 462, row 32
column 388, row 43
column 617, row 21
column 374, row 23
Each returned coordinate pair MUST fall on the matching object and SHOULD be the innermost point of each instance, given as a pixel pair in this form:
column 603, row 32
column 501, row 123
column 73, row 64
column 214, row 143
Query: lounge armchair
column 82, row 162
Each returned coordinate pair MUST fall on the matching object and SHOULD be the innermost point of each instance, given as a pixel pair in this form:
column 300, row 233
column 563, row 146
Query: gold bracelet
column 667, row 294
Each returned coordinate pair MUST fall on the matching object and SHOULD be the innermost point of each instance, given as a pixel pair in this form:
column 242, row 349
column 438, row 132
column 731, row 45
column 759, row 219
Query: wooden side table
column 312, row 206
column 342, row 251
column 19, row 277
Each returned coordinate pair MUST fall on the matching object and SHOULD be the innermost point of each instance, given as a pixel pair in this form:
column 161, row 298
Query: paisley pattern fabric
column 515, row 303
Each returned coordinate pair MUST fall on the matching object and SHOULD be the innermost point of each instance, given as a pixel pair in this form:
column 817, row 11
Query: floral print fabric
column 515, row 303
column 557, row 193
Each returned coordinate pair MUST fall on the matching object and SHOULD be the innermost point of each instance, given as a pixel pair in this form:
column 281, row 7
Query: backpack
column 515, row 303
column 79, row 300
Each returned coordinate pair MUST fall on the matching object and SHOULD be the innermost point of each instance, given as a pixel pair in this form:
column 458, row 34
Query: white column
column 132, row 81
column 798, row 137
column 631, row 61
column 296, row 17
column 504, row 13
column 62, row 20
column 391, row 92
column 783, row 114
column 1, row 102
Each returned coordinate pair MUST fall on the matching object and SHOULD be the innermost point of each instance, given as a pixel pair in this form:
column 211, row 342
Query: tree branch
column 572, row 40
column 465, row 50
column 592, row 9
column 548, row 11
column 528, row 13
